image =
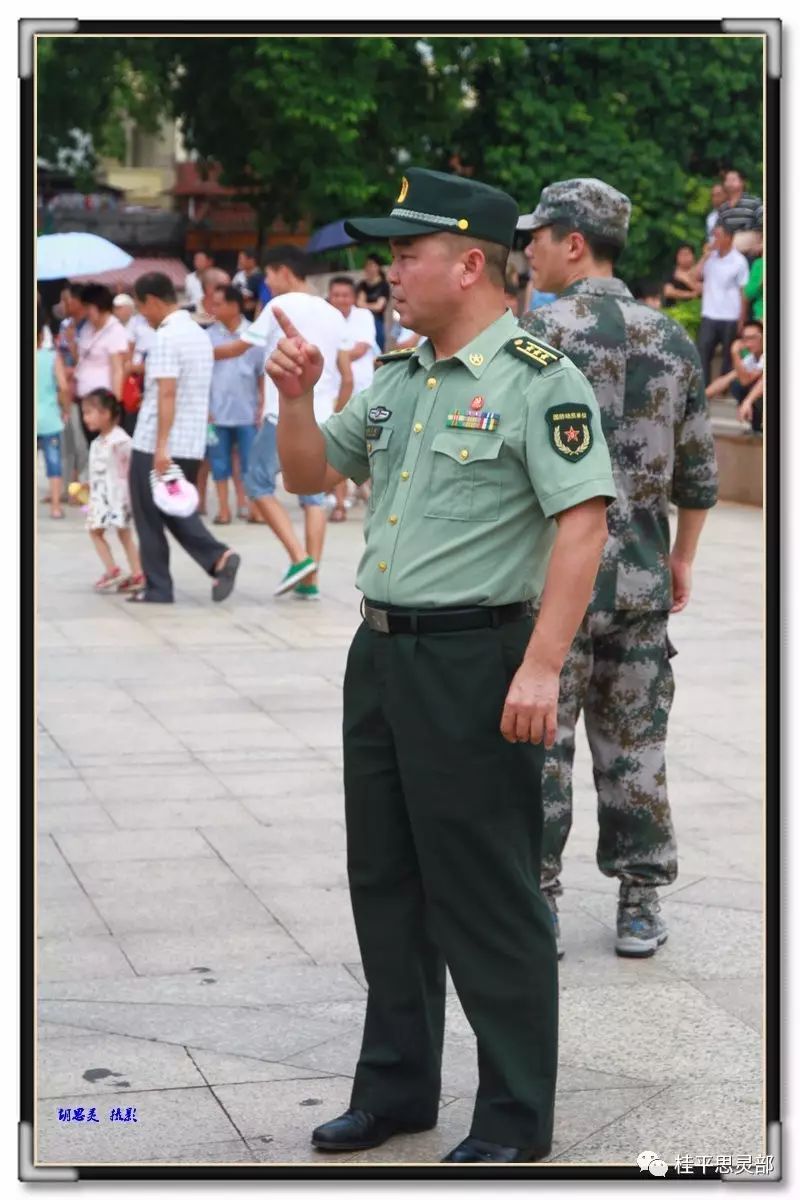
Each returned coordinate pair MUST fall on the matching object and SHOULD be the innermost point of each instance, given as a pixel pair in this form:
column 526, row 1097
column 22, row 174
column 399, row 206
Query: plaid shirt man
column 183, row 352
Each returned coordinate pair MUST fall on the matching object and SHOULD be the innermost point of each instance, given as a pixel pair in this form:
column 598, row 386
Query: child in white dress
column 109, row 499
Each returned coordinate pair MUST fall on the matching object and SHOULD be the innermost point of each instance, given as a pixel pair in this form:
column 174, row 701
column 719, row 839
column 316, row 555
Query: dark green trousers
column 444, row 828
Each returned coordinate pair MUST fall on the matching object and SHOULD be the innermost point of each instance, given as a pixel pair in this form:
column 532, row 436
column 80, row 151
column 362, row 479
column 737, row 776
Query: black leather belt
column 385, row 619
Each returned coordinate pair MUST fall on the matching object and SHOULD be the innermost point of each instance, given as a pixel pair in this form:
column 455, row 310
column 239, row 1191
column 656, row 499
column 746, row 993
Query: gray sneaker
column 550, row 900
column 641, row 929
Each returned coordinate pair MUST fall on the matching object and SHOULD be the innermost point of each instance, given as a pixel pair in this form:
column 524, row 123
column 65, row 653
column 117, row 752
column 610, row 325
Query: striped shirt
column 182, row 351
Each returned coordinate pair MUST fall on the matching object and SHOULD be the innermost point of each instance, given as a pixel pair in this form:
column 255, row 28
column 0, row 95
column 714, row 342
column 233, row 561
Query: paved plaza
column 196, row 953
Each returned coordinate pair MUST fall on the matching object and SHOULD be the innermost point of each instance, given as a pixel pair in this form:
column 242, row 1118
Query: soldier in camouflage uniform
column 648, row 381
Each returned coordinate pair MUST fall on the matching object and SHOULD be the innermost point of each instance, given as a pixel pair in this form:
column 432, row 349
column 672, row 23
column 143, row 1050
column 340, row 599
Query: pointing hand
column 295, row 365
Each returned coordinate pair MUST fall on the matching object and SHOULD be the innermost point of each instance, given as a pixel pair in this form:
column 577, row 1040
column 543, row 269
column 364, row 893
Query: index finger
column 285, row 324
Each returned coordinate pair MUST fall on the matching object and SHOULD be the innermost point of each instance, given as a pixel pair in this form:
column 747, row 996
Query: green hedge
column 687, row 314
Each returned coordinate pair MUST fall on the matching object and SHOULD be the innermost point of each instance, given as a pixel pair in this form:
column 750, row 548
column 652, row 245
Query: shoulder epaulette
column 537, row 353
column 395, row 355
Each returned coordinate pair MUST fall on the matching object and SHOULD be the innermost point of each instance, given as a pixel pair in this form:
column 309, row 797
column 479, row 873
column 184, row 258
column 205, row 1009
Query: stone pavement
column 196, row 953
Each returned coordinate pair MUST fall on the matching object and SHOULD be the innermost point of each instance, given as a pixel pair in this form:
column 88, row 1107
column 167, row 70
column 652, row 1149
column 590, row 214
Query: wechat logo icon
column 649, row 1161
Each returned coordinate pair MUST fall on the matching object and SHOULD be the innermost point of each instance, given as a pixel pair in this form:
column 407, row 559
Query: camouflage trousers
column 618, row 673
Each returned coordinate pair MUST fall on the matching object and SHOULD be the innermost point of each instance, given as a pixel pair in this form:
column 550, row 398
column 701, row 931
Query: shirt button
column 417, row 428
column 431, row 383
column 393, row 519
column 404, row 475
column 369, row 447
column 464, row 454
column 382, row 566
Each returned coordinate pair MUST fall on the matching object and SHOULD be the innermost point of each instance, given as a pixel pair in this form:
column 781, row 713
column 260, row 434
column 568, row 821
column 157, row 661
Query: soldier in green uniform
column 647, row 378
column 490, row 480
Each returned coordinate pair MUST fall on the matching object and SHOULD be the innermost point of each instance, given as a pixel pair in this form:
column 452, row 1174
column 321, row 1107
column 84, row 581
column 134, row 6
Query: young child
column 109, row 500
column 52, row 406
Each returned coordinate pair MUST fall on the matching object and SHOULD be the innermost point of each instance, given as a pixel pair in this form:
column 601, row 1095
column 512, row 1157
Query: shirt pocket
column 378, row 465
column 466, row 476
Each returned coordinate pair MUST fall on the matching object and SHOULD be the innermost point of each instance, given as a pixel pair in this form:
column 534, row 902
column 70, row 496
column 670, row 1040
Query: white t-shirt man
column 319, row 323
column 723, row 280
column 361, row 328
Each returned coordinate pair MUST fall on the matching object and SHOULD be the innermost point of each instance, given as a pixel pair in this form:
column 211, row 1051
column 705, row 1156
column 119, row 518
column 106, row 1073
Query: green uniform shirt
column 461, row 516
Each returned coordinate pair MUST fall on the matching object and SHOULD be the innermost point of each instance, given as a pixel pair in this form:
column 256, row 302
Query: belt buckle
column 377, row 619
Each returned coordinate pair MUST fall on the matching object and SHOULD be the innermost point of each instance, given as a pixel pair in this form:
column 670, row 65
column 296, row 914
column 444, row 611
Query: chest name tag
column 379, row 414
column 570, row 429
column 485, row 421
column 373, row 432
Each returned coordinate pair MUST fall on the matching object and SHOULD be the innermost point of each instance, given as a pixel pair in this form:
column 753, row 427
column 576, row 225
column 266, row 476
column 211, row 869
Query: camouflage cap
column 588, row 205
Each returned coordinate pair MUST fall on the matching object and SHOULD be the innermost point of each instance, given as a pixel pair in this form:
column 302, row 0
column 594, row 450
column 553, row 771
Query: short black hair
column 250, row 252
column 602, row 250
column 342, row 279
column 98, row 295
column 685, row 246
column 287, row 256
column 204, row 250
column 103, row 398
column 644, row 288
column 75, row 290
column 154, row 283
column 232, row 294
column 376, row 258
column 758, row 324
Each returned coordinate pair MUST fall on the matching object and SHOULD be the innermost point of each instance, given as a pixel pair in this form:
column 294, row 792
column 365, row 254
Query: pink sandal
column 132, row 583
column 109, row 581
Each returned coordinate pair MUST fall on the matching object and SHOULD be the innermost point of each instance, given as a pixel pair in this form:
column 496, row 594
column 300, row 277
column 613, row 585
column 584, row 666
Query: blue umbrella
column 330, row 237
column 62, row 255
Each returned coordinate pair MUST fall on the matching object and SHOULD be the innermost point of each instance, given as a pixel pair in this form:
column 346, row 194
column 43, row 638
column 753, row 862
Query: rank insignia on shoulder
column 394, row 356
column 570, row 429
column 539, row 354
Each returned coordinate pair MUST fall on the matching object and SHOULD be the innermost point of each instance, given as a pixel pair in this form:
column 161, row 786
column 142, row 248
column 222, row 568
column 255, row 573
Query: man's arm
column 62, row 384
column 740, row 369
column 232, row 349
column 358, row 351
column 117, row 372
column 687, row 537
column 745, row 409
column 531, row 709
column 346, row 372
column 167, row 391
column 720, row 385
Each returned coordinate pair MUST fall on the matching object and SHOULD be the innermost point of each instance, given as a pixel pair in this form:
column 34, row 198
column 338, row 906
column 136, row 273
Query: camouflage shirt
column 647, row 378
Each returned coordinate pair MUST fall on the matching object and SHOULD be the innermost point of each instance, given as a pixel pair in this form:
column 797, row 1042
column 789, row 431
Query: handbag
column 173, row 493
column 131, row 398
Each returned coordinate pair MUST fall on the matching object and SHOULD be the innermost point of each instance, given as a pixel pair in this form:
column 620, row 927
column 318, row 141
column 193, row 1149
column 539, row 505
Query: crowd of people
column 96, row 382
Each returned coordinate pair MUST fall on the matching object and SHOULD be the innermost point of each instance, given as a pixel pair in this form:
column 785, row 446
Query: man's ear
column 474, row 263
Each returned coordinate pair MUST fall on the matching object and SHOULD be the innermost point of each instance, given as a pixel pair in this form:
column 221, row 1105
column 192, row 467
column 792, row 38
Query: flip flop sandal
column 225, row 578
column 338, row 514
column 57, row 516
column 219, row 521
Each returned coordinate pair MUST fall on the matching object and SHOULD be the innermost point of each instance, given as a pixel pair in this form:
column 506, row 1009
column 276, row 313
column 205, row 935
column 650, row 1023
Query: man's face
column 151, row 310
column 722, row 239
column 717, row 195
column 202, row 261
column 73, row 306
column 732, row 183
column 549, row 260
column 123, row 312
column 343, row 297
column 224, row 310
column 278, row 280
column 753, row 340
column 425, row 276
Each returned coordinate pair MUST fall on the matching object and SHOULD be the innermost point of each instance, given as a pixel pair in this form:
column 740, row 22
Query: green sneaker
column 306, row 591
column 641, row 930
column 295, row 574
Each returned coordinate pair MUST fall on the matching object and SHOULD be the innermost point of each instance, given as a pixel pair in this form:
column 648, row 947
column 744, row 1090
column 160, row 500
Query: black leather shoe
column 473, row 1150
column 359, row 1130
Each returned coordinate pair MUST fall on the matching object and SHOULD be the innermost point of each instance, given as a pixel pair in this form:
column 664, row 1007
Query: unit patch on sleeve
column 373, row 432
column 570, row 430
column 379, row 413
column 538, row 354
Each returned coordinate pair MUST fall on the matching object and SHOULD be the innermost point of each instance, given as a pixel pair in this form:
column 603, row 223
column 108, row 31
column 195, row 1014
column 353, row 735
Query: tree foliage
column 320, row 127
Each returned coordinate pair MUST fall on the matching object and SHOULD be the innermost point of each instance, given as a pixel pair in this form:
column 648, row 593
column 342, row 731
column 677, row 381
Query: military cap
column 588, row 205
column 432, row 202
